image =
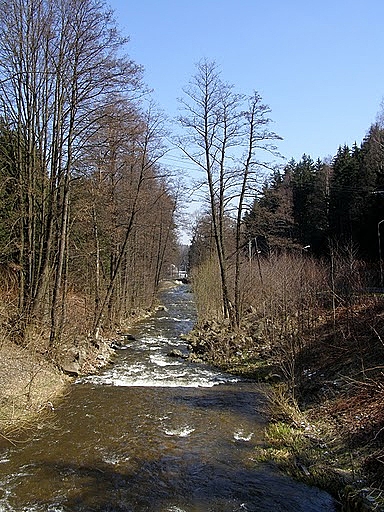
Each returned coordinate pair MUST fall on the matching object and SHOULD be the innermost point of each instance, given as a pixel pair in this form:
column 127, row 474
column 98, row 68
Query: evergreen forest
column 339, row 200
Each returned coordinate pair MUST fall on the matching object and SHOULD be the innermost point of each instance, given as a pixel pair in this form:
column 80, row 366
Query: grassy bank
column 30, row 386
column 32, row 382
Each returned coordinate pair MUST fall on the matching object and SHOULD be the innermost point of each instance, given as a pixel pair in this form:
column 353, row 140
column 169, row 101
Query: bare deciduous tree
column 223, row 138
column 59, row 62
column 130, row 208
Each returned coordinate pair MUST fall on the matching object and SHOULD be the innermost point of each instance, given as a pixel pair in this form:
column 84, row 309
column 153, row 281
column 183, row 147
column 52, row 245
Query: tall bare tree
column 222, row 139
column 256, row 138
column 130, row 198
column 210, row 132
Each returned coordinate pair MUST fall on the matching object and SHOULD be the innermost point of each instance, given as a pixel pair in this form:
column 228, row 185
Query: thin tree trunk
column 62, row 249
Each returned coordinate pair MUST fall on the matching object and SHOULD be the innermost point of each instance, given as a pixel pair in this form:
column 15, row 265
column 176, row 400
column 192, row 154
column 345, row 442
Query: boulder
column 71, row 361
column 177, row 353
column 71, row 368
column 129, row 337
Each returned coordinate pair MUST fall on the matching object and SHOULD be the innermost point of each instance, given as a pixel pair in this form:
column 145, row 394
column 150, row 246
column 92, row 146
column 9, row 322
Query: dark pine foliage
column 313, row 203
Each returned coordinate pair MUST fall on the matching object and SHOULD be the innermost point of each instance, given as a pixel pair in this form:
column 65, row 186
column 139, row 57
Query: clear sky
column 319, row 64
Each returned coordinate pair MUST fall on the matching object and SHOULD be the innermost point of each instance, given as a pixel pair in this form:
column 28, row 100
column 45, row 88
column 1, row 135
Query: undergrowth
column 316, row 335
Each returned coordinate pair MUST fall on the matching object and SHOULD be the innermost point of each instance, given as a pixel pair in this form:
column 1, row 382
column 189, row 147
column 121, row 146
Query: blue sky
column 317, row 64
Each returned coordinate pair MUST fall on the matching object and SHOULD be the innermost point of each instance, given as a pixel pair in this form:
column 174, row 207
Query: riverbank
column 326, row 403
column 33, row 382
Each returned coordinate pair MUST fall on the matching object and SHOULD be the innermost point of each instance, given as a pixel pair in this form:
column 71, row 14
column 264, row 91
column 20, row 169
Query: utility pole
column 380, row 259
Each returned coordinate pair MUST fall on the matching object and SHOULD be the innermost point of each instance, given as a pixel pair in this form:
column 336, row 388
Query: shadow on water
column 213, row 489
column 237, row 400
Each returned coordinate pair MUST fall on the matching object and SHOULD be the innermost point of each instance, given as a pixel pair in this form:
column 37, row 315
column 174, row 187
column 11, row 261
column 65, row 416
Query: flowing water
column 153, row 433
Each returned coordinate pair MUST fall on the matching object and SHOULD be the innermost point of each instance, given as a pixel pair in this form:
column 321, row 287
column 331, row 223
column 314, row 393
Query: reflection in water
column 153, row 433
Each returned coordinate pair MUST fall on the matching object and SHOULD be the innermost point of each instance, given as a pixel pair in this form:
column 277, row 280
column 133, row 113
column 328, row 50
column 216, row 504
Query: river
column 153, row 433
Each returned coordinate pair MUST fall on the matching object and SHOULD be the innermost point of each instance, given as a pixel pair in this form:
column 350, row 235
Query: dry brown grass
column 29, row 388
column 30, row 381
column 207, row 289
